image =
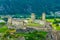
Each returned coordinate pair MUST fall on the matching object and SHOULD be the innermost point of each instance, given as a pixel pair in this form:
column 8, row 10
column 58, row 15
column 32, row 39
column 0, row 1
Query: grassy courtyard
column 34, row 24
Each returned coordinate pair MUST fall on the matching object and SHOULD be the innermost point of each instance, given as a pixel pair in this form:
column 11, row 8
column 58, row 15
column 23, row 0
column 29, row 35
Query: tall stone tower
column 32, row 17
column 43, row 16
column 10, row 20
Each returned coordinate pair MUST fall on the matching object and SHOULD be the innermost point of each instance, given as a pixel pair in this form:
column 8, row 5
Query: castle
column 21, row 23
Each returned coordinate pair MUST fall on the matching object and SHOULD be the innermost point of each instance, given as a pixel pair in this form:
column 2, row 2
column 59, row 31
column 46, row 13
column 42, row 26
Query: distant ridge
column 28, row 6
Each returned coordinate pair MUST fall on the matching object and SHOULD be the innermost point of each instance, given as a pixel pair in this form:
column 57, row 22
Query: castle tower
column 43, row 16
column 32, row 17
column 9, row 20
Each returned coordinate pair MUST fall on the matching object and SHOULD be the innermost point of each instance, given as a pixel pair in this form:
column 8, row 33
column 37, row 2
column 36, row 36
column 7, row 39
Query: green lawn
column 3, row 29
column 57, row 19
column 34, row 24
column 55, row 27
column 50, row 20
column 58, row 28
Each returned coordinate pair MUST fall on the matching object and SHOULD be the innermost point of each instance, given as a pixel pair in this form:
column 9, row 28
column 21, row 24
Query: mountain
column 25, row 7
